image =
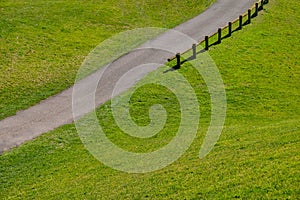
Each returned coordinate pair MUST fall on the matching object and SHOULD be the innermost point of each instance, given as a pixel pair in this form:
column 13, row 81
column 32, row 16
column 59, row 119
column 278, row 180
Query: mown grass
column 257, row 156
column 43, row 43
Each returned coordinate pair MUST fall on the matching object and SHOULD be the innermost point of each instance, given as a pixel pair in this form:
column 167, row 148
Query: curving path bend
column 57, row 110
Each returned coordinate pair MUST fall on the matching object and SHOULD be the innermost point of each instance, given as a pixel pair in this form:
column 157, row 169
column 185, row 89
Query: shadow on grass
column 177, row 66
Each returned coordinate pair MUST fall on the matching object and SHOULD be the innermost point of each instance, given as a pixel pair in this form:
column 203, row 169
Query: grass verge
column 43, row 43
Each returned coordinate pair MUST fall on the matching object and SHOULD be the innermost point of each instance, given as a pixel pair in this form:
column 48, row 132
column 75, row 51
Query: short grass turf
column 257, row 156
column 43, row 43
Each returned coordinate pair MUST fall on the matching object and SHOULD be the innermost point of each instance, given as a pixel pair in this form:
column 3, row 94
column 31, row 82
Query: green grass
column 43, row 43
column 257, row 156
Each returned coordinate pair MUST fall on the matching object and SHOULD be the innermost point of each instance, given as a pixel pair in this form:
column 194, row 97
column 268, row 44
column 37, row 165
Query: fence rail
column 241, row 21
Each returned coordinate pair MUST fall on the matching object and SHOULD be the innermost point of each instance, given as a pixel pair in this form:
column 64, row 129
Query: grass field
column 257, row 156
column 43, row 43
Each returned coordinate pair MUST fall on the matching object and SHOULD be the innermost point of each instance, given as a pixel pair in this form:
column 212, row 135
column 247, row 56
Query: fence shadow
column 193, row 57
column 250, row 15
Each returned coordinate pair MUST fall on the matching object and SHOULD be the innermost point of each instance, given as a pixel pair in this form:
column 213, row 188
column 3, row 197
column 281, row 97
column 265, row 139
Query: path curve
column 57, row 110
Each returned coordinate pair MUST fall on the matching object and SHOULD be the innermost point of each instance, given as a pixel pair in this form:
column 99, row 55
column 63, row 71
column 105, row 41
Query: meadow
column 257, row 156
column 43, row 43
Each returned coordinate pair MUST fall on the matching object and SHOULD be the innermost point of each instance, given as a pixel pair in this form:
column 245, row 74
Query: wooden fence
column 232, row 26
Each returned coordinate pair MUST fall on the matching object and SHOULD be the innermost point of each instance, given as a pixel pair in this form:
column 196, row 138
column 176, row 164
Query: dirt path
column 57, row 110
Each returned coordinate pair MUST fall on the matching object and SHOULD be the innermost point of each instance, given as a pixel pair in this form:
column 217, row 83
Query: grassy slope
column 42, row 43
column 256, row 157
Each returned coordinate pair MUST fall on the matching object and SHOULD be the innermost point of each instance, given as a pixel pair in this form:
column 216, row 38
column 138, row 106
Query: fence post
column 241, row 22
column 229, row 28
column 219, row 35
column 249, row 16
column 256, row 9
column 194, row 51
column 206, row 43
column 178, row 61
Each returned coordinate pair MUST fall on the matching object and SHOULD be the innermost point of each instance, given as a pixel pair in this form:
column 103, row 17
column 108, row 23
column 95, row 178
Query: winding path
column 57, row 110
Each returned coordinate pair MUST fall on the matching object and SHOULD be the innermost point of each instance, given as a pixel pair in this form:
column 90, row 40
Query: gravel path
column 57, row 110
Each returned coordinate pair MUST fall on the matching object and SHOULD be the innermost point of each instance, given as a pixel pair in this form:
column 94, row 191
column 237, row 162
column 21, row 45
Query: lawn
column 257, row 156
column 43, row 43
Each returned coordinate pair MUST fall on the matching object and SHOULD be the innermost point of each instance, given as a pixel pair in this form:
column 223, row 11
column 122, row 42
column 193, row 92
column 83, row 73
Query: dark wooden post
column 219, row 35
column 256, row 9
column 194, row 51
column 241, row 22
column 178, row 60
column 249, row 16
column 229, row 28
column 206, row 43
